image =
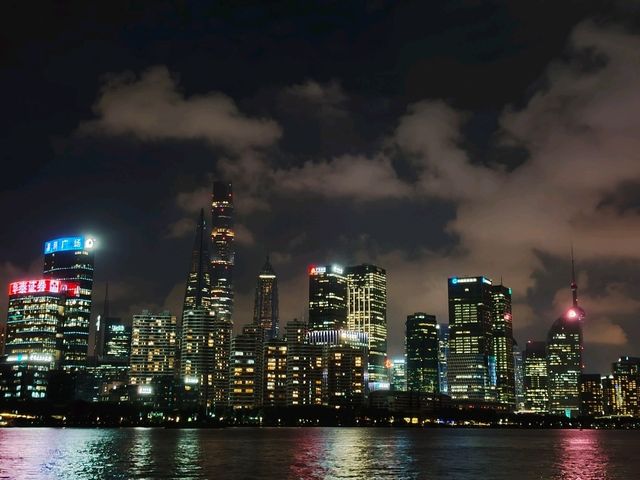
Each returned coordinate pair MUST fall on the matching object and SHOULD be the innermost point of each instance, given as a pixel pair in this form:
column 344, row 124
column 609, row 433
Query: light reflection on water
column 319, row 453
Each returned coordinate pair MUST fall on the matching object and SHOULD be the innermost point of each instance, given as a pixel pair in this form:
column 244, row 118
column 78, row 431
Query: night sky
column 430, row 138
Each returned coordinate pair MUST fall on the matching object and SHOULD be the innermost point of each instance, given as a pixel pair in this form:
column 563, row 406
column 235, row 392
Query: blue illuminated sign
column 66, row 244
column 454, row 280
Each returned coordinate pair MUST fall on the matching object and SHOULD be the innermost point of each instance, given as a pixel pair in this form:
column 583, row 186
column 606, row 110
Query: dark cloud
column 432, row 138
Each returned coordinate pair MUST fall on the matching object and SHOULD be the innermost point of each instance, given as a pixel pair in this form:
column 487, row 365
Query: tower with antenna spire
column 564, row 356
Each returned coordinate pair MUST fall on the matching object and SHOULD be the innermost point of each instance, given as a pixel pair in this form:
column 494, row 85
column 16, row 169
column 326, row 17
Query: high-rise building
column 117, row 341
column 198, row 290
column 564, row 359
column 305, row 366
column 265, row 310
column 536, row 385
column 35, row 315
column 421, row 353
column 154, row 345
column 222, row 334
column 71, row 259
column 223, row 255
column 610, row 400
column 197, row 352
column 471, row 364
column 626, row 383
column 3, row 336
column 443, row 354
column 327, row 298
column 367, row 312
column 502, row 345
column 398, row 375
column 591, row 395
column 196, row 334
column 245, row 378
column 344, row 361
column 518, row 368
column 274, row 385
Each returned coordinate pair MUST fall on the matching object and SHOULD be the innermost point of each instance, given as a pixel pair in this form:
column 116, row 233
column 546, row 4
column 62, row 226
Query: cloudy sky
column 431, row 138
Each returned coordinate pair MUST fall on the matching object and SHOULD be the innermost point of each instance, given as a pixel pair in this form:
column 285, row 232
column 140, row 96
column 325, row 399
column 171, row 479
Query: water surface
column 318, row 453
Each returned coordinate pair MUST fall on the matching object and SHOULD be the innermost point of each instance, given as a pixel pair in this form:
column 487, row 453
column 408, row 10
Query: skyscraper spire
column 105, row 308
column 198, row 291
column 574, row 285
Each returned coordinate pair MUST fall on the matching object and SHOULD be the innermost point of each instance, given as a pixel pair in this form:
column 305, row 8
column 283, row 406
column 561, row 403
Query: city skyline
column 428, row 155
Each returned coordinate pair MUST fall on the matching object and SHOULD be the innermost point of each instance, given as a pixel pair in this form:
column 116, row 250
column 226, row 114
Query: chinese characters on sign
column 44, row 286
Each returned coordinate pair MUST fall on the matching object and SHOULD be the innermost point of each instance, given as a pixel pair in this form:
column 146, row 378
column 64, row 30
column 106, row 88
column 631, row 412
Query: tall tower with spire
column 198, row 291
column 223, row 255
column 265, row 310
column 198, row 318
column 564, row 356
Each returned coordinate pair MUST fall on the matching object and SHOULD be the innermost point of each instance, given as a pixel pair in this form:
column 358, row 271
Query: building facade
column 197, row 334
column 502, row 345
column 327, row 298
column 591, row 399
column 367, row 312
column 265, row 309
column 152, row 365
column 398, row 374
column 71, row 259
column 35, row 317
column 443, row 354
column 223, row 254
column 245, row 377
column 274, row 384
column 536, row 379
column 626, row 384
column 421, row 353
column 471, row 364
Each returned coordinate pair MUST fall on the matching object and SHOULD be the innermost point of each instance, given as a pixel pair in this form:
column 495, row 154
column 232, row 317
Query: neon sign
column 35, row 357
column 44, row 285
column 456, row 280
column 66, row 244
column 313, row 270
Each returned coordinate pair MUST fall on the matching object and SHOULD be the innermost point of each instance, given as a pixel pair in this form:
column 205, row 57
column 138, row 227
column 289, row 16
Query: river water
column 318, row 453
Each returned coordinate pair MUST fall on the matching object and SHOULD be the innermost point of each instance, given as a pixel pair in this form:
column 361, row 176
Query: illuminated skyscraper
column 443, row 354
column 35, row 315
column 223, row 255
column 471, row 363
column 3, row 336
column 222, row 333
column 70, row 259
column 117, row 341
column 344, row 373
column 327, row 298
column 564, row 359
column 305, row 367
column 536, row 379
column 198, row 291
column 626, row 385
column 265, row 310
column 197, row 330
column 502, row 345
column 274, row 385
column 245, row 377
column 154, row 344
column 367, row 312
column 591, row 401
column 421, row 347
column 518, row 368
column 398, row 375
